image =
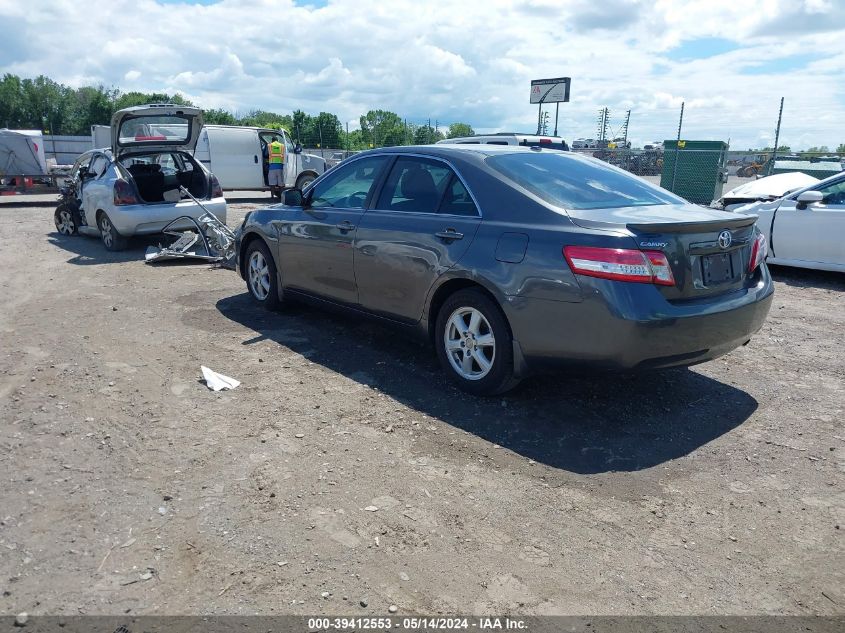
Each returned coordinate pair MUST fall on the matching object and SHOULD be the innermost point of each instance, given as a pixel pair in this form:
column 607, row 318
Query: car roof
column 460, row 149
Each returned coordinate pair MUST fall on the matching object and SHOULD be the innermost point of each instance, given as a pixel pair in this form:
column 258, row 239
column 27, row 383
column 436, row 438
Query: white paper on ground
column 216, row 381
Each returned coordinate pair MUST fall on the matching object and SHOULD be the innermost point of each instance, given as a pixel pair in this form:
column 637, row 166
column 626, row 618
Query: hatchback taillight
column 124, row 193
column 759, row 250
column 620, row 264
column 216, row 189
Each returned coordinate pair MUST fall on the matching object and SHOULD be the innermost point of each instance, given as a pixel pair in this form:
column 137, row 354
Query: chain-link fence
column 704, row 174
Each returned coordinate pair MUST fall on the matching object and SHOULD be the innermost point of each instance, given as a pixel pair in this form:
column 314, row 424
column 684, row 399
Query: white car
column 508, row 138
column 806, row 228
column 139, row 185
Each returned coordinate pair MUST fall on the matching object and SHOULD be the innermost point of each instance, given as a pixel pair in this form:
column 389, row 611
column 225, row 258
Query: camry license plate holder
column 717, row 268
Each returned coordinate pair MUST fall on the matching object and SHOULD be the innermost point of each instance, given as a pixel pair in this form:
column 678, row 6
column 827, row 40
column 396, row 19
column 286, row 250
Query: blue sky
column 727, row 62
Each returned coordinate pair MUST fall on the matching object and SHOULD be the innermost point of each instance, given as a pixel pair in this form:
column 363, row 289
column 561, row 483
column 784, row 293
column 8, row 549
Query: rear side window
column 572, row 182
column 98, row 165
column 456, row 199
column 414, row 185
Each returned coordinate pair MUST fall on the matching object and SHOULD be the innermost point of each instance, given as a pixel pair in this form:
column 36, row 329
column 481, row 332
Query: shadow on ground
column 806, row 278
column 575, row 422
column 88, row 251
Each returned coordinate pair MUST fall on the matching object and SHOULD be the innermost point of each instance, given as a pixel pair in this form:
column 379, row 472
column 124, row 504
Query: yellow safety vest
column 276, row 152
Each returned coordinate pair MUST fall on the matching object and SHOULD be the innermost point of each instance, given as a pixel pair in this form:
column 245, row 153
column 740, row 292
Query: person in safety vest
column 275, row 169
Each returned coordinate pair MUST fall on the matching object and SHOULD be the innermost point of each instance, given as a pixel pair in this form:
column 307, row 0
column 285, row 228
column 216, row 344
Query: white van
column 237, row 156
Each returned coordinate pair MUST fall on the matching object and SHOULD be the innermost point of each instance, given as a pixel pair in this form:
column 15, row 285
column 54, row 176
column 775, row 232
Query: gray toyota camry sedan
column 509, row 259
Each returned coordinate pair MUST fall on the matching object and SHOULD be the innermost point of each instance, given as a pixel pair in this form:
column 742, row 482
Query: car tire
column 112, row 240
column 304, row 180
column 261, row 278
column 474, row 344
column 66, row 218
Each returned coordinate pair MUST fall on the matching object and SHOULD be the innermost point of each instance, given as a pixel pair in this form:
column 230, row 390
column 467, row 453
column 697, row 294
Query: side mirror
column 809, row 197
column 297, row 149
column 292, row 198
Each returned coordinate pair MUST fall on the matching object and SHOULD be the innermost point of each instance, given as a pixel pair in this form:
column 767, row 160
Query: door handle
column 346, row 225
column 255, row 157
column 449, row 234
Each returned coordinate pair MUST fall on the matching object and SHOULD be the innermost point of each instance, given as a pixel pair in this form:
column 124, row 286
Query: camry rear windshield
column 155, row 129
column 574, row 183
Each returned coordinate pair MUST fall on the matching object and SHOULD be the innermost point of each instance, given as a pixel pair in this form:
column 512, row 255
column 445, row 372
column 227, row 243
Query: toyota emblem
column 725, row 239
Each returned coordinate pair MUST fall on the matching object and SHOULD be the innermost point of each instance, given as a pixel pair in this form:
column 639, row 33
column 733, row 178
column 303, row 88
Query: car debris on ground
column 209, row 240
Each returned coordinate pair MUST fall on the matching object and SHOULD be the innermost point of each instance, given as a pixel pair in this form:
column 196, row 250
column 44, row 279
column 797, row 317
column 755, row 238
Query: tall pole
column 539, row 116
column 557, row 110
column 777, row 137
column 677, row 148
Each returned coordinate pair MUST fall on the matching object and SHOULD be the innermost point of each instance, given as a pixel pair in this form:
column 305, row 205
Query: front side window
column 80, row 166
column 834, row 193
column 349, row 186
column 572, row 182
column 415, row 185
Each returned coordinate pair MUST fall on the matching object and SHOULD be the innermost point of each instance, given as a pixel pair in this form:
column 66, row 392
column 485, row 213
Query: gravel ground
column 345, row 475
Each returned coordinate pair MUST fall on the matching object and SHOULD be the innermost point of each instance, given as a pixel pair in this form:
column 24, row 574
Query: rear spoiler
column 739, row 222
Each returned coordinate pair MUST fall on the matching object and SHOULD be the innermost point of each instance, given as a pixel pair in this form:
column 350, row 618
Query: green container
column 700, row 173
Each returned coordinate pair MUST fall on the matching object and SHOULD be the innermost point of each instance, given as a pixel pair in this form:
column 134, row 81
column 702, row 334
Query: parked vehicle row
column 508, row 259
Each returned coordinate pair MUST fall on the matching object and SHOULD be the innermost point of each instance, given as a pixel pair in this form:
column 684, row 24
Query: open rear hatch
column 156, row 127
column 708, row 250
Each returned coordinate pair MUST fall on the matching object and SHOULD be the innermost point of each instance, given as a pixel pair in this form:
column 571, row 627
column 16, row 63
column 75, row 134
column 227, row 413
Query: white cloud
column 469, row 62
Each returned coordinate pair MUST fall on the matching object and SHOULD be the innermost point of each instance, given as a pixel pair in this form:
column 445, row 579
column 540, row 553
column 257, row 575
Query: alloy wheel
column 106, row 230
column 65, row 222
column 470, row 344
column 259, row 276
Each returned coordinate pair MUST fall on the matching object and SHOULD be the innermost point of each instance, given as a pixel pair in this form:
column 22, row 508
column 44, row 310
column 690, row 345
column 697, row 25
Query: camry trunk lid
column 708, row 250
column 156, row 127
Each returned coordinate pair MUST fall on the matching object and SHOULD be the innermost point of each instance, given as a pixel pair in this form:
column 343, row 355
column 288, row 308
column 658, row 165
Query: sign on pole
column 550, row 90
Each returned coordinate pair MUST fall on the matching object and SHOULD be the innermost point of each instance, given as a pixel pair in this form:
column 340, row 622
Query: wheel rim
column 105, row 229
column 65, row 223
column 469, row 343
column 259, row 276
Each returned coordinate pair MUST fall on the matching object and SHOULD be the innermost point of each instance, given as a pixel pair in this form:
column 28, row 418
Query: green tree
column 11, row 102
column 382, row 128
column 426, row 134
column 88, row 106
column 218, row 116
column 460, row 129
column 841, row 149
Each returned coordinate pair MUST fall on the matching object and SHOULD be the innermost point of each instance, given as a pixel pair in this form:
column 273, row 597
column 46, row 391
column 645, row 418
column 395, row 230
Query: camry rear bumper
column 625, row 325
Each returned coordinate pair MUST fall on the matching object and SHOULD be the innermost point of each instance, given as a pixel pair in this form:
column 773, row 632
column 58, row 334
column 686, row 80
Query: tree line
column 55, row 108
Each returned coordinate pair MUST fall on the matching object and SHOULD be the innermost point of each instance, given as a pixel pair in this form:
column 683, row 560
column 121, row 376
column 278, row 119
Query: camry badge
column 653, row 244
column 725, row 239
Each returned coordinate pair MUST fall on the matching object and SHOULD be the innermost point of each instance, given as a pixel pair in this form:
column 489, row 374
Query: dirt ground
column 345, row 475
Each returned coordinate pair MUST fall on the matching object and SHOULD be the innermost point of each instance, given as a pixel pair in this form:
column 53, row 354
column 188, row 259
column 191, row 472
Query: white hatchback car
column 138, row 186
column 805, row 228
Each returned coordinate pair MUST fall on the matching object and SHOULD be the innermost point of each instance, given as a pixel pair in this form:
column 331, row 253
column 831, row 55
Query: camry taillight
column 759, row 250
column 620, row 264
column 216, row 189
column 124, row 193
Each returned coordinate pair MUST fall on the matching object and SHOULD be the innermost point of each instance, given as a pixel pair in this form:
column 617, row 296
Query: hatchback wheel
column 112, row 240
column 66, row 222
column 261, row 275
column 474, row 344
